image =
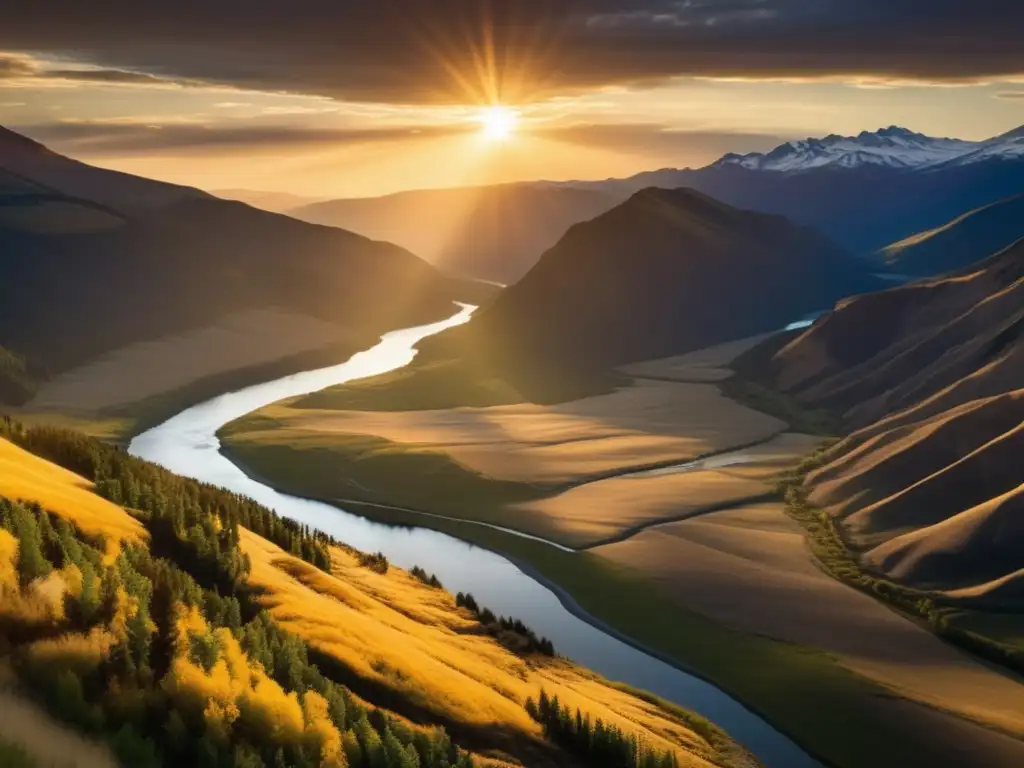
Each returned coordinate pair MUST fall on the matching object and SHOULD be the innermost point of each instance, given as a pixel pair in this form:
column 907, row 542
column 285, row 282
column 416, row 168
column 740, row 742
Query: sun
column 498, row 123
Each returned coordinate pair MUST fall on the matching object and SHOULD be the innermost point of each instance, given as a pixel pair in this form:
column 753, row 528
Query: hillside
column 491, row 233
column 95, row 261
column 206, row 642
column 665, row 272
column 930, row 376
column 955, row 245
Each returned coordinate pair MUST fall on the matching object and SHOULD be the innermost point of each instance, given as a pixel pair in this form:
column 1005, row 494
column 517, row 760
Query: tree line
column 597, row 743
column 499, row 624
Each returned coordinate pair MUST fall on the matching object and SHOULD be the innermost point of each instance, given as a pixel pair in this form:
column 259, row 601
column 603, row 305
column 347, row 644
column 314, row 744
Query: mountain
column 865, row 191
column 28, row 164
column 954, row 245
column 665, row 272
column 891, row 147
column 275, row 202
column 927, row 488
column 490, row 233
column 93, row 260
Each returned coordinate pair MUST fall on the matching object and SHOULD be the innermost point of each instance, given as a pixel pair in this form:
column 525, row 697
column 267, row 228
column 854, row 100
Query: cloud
column 461, row 51
column 1010, row 95
column 31, row 70
column 677, row 146
column 104, row 138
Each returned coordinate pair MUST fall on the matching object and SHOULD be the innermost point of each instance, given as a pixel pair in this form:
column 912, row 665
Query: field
column 548, row 470
column 749, row 568
column 698, row 565
column 134, row 378
column 25, row 476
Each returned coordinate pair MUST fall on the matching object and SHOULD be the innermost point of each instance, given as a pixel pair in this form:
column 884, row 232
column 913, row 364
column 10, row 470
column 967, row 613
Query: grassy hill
column 955, row 245
column 216, row 633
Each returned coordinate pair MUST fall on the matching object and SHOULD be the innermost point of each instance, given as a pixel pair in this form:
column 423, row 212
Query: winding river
column 187, row 444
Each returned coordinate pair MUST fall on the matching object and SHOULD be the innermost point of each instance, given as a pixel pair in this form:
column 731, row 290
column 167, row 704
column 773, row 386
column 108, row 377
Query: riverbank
column 841, row 718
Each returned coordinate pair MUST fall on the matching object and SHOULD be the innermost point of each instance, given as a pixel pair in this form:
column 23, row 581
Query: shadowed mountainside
column 93, row 260
column 665, row 272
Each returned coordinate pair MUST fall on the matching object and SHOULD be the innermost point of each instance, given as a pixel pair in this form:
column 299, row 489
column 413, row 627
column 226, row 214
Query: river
column 187, row 444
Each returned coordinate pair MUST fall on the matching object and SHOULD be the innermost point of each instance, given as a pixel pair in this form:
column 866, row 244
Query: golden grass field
column 412, row 639
column 24, row 476
column 145, row 369
column 636, row 426
column 601, row 510
column 750, row 568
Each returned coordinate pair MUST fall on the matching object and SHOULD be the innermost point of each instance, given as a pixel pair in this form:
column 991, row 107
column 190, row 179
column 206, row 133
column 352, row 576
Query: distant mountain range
column 664, row 272
column 864, row 191
column 93, row 259
column 492, row 233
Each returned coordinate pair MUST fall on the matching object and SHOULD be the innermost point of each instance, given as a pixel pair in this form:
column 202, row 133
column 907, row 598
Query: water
column 187, row 444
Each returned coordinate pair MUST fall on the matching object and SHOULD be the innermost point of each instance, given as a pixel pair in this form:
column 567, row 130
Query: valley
column 714, row 467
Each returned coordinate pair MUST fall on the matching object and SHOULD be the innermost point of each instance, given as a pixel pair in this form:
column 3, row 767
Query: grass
column 830, row 711
column 28, row 477
column 394, row 638
column 341, row 466
column 811, row 421
column 451, row 383
column 13, row 756
column 998, row 638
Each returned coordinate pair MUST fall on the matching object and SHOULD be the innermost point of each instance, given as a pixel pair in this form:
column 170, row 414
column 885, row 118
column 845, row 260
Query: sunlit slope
column 931, row 378
column 954, row 245
column 402, row 645
column 24, row 476
column 410, row 638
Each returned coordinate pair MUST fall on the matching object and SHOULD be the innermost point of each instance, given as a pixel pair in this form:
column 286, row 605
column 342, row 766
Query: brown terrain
column 927, row 489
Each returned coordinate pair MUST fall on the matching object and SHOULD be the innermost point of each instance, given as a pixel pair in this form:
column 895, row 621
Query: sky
column 349, row 98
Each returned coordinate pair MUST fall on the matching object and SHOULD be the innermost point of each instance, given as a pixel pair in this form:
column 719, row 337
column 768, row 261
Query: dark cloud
column 463, row 50
column 103, row 138
column 24, row 67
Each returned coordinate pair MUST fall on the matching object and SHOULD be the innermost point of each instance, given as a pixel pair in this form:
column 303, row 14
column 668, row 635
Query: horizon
column 347, row 101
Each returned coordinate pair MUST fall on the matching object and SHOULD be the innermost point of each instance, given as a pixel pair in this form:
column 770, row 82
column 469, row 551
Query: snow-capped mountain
column 893, row 147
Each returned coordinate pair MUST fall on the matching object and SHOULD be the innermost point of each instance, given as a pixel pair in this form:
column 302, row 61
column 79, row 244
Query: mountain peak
column 894, row 147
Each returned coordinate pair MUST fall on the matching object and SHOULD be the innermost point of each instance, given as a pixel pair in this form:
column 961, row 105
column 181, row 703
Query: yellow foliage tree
column 8, row 562
column 321, row 735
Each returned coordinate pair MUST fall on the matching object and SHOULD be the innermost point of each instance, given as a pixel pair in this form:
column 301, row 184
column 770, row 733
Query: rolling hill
column 94, row 260
column 194, row 627
column 955, row 245
column 665, row 272
column 491, row 233
column 926, row 489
